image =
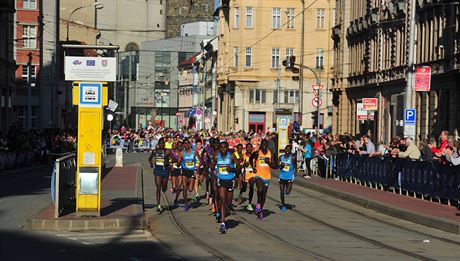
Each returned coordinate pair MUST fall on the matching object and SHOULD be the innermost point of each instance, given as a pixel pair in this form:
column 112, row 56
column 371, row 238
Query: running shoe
column 283, row 209
column 213, row 209
column 186, row 207
column 260, row 215
column 171, row 190
column 159, row 208
column 217, row 216
column 223, row 228
column 175, row 203
column 197, row 198
column 250, row 208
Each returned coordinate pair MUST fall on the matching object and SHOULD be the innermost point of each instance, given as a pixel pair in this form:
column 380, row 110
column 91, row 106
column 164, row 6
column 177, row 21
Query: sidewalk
column 415, row 210
column 121, row 206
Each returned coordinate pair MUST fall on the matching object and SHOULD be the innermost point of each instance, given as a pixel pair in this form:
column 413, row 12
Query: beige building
column 255, row 36
column 370, row 61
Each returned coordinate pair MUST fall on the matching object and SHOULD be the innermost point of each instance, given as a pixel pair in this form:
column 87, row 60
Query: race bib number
column 286, row 167
column 189, row 164
column 175, row 165
column 262, row 162
column 249, row 169
column 160, row 162
column 197, row 163
column 223, row 169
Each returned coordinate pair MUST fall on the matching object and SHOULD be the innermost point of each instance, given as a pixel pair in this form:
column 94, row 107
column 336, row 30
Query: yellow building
column 254, row 37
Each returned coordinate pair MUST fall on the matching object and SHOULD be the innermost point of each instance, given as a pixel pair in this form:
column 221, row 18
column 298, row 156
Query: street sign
column 315, row 87
column 314, row 102
column 90, row 94
column 422, row 79
column 361, row 114
column 80, row 68
column 410, row 116
column 370, row 104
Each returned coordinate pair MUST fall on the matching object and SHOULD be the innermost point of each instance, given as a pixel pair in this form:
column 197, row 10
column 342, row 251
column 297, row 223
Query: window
column 275, row 57
column 319, row 57
column 24, row 75
column 320, row 18
column 29, row 4
column 235, row 57
column 275, row 96
column 289, row 53
column 249, row 17
column 29, row 36
column 291, row 96
column 248, row 63
column 290, row 18
column 236, row 23
column 22, row 116
column 257, row 96
column 276, row 18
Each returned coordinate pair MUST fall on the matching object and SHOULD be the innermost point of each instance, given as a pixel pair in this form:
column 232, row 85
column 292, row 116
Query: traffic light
column 289, row 63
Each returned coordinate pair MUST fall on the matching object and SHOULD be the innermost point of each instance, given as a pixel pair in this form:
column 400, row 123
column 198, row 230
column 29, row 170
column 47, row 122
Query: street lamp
column 97, row 5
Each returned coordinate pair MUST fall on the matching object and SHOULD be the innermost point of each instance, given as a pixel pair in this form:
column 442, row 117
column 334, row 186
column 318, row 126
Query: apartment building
column 254, row 89
column 370, row 61
column 7, row 62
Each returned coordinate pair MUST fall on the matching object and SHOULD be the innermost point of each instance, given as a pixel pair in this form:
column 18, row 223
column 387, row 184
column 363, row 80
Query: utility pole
column 29, row 91
column 213, row 91
column 302, row 50
column 410, row 63
column 318, row 104
column 41, row 79
column 278, row 87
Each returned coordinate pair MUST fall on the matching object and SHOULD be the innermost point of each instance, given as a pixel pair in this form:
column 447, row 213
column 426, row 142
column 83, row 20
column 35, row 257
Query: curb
column 138, row 221
column 429, row 221
column 85, row 225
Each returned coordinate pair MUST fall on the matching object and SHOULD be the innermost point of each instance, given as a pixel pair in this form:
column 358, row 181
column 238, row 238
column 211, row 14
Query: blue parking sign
column 410, row 116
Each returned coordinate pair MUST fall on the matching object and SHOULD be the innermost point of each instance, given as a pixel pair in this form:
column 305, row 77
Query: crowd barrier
column 13, row 159
column 129, row 146
column 63, row 185
column 427, row 179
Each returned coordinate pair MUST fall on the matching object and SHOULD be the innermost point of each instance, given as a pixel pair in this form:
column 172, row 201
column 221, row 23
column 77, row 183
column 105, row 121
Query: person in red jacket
column 444, row 142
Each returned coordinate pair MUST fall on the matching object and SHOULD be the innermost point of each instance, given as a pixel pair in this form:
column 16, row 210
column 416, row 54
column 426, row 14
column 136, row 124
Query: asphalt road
column 318, row 227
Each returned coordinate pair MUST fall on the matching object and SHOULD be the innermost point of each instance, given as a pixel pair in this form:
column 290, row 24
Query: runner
column 239, row 178
column 211, row 157
column 159, row 163
column 288, row 168
column 175, row 167
column 225, row 165
column 199, row 169
column 264, row 160
column 187, row 161
column 248, row 176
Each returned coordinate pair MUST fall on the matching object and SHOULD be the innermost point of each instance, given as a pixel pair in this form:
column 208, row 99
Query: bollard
column 119, row 157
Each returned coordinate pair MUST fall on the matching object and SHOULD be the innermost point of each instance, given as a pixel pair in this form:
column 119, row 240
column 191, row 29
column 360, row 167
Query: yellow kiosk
column 283, row 133
column 90, row 97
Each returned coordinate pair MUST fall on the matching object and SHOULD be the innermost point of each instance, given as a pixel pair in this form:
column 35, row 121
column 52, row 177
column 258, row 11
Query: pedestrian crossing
column 100, row 238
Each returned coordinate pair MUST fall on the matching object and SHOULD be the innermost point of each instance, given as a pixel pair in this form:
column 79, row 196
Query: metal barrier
column 427, row 179
column 64, row 183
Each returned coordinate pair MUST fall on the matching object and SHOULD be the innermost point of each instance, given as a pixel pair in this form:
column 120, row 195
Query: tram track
column 180, row 226
column 445, row 240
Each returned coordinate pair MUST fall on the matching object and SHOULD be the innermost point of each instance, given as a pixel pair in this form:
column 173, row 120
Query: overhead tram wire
column 274, row 30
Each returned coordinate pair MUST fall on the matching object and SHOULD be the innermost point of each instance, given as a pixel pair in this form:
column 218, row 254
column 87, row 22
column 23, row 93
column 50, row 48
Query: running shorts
column 286, row 181
column 188, row 173
column 265, row 181
column 228, row 184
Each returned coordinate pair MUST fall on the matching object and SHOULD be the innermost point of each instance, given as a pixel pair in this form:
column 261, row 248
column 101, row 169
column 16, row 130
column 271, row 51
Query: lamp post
column 97, row 6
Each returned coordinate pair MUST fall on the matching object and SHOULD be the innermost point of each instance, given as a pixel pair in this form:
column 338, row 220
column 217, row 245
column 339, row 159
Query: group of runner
column 191, row 162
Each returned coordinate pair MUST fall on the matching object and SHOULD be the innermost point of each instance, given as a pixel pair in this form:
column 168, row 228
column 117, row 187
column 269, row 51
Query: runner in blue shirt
column 288, row 168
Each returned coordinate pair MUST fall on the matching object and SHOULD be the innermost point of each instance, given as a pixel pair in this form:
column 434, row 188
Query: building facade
column 153, row 89
column 254, row 89
column 7, row 63
column 370, row 61
column 27, row 56
column 180, row 12
column 128, row 23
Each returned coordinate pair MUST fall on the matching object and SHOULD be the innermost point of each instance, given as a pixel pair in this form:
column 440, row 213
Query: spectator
column 427, row 154
column 370, row 147
column 444, row 142
column 412, row 152
column 453, row 153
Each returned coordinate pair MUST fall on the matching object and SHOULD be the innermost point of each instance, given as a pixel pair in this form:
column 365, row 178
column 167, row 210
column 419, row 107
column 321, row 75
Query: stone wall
column 180, row 12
